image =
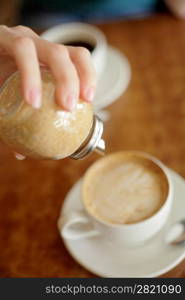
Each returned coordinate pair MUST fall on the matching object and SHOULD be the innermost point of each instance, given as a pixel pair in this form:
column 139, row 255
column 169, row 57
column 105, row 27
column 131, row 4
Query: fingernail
column 89, row 94
column 71, row 102
column 34, row 98
column 19, row 156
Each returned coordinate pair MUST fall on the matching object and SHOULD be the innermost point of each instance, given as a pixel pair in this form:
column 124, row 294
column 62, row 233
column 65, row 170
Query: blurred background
column 41, row 14
column 149, row 116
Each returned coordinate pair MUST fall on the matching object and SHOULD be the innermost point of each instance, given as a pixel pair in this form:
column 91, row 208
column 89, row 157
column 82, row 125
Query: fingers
column 23, row 50
column 25, row 55
column 81, row 58
column 73, row 70
column 29, row 68
column 67, row 81
column 71, row 66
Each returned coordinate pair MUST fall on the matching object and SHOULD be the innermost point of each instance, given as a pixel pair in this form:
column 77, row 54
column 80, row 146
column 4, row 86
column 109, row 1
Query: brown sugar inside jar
column 48, row 132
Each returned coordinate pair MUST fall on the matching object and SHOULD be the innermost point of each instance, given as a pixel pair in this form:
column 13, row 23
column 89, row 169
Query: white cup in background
column 112, row 66
column 66, row 33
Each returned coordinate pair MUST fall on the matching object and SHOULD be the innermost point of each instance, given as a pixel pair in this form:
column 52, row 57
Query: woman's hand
column 23, row 49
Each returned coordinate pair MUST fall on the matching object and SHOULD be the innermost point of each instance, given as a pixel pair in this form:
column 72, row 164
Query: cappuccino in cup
column 126, row 198
column 124, row 188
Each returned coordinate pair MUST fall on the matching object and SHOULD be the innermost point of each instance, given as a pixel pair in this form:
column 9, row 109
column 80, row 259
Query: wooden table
column 150, row 116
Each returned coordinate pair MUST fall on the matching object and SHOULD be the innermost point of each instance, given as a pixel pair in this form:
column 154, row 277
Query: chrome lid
column 93, row 142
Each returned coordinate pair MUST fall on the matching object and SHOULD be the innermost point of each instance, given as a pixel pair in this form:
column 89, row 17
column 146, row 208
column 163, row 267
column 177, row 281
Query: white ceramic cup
column 82, row 224
column 65, row 33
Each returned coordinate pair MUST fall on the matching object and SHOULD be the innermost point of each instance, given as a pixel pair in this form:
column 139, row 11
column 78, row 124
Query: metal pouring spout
column 94, row 141
column 100, row 148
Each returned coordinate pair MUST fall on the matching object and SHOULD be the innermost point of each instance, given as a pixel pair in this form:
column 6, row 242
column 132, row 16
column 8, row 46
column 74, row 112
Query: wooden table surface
column 150, row 117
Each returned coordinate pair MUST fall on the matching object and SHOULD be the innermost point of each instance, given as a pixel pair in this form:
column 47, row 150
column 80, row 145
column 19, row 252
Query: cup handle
column 76, row 225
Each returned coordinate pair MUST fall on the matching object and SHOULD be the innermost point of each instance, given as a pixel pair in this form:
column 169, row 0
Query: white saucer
column 150, row 260
column 114, row 79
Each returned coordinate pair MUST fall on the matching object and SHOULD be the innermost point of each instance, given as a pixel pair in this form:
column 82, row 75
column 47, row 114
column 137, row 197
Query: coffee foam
column 124, row 189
